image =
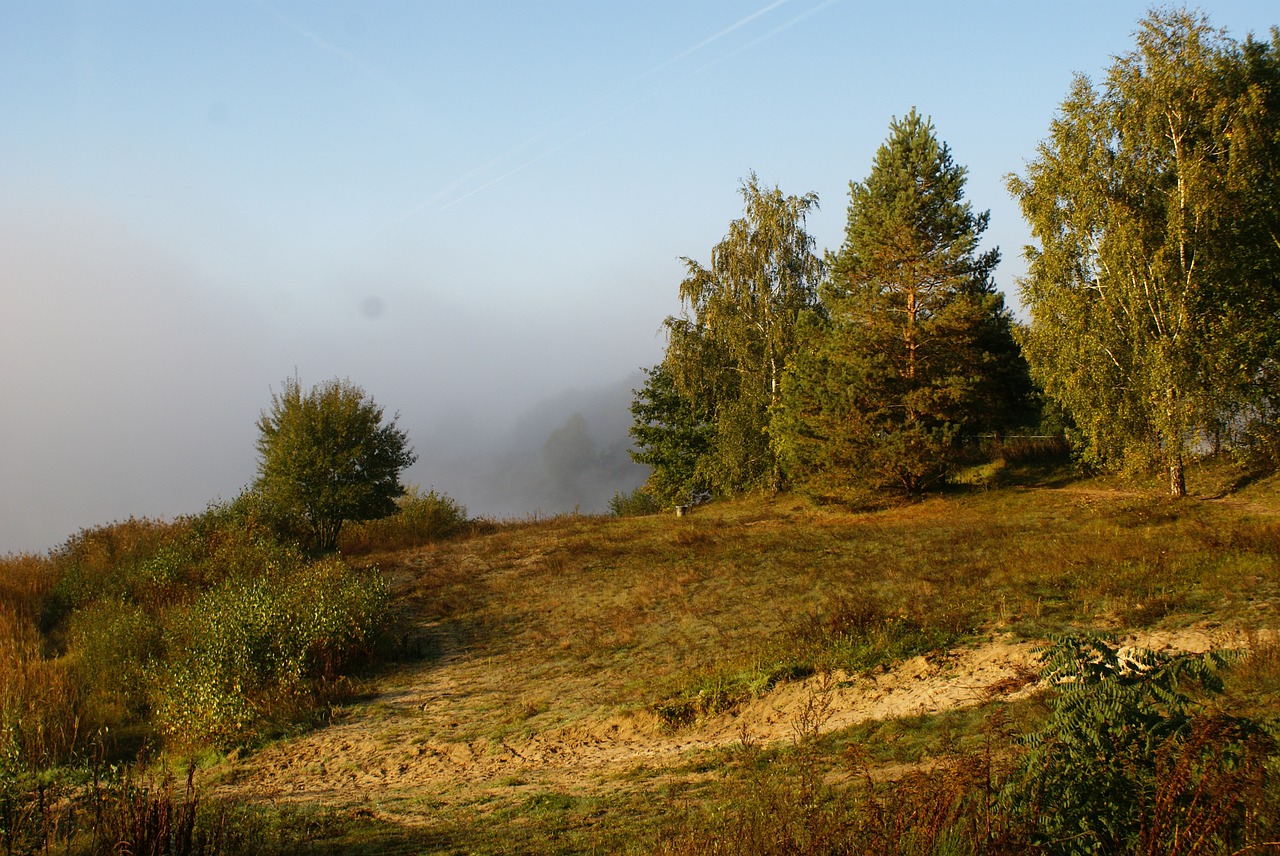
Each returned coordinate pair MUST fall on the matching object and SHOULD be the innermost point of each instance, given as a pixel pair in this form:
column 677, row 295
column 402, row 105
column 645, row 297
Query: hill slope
column 580, row 678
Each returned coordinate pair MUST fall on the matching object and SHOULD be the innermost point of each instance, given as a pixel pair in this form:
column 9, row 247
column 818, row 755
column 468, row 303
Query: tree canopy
column 670, row 439
column 325, row 457
column 1152, row 288
column 727, row 351
column 915, row 354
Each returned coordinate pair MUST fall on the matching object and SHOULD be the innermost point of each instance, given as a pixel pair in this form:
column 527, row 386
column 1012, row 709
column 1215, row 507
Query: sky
column 476, row 211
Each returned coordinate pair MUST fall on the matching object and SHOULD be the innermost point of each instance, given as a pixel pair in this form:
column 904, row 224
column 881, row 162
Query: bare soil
column 405, row 753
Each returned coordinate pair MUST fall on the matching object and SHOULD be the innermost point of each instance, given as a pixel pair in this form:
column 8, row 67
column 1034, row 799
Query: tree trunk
column 910, row 334
column 1177, row 480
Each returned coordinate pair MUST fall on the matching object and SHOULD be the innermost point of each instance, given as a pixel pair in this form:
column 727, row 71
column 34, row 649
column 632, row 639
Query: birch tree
column 1152, row 207
column 737, row 331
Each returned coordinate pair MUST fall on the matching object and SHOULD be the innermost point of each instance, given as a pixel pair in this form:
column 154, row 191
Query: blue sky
column 465, row 207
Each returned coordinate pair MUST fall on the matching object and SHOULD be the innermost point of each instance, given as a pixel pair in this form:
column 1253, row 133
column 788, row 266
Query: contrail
column 329, row 47
column 763, row 38
column 715, row 38
column 704, row 43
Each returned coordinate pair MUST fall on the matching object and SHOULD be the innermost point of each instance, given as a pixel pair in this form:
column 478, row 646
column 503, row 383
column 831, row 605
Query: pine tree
column 917, row 355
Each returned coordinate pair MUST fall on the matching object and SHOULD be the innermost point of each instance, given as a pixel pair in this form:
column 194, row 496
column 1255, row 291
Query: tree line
column 1152, row 294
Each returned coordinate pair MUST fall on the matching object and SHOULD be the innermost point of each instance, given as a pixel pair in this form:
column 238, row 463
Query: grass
column 576, row 617
column 698, row 612
column 545, row 626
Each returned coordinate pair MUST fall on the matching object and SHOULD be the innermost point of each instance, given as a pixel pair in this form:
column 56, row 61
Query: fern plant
column 1090, row 778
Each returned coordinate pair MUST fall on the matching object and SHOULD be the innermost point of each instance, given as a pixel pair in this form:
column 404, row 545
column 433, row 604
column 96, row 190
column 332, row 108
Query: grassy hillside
column 767, row 676
column 600, row 685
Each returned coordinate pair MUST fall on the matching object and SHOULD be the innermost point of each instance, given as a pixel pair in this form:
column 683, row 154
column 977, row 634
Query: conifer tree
column 917, row 355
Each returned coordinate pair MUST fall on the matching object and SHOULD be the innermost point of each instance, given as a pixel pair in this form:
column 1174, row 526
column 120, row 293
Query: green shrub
column 1127, row 750
column 251, row 650
column 637, row 503
column 122, row 561
column 204, row 629
column 237, row 540
column 420, row 518
column 112, row 643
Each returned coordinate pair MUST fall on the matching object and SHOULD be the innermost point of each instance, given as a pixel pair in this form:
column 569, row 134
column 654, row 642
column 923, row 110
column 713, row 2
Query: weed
column 1127, row 754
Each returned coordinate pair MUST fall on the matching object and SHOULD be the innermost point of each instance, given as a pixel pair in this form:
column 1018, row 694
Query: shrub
column 420, row 518
column 1125, row 747
column 637, row 503
column 126, row 561
column 111, row 644
column 250, row 650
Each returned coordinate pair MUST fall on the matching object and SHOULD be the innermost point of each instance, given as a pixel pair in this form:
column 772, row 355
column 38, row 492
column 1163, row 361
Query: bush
column 128, row 561
column 248, row 652
column 206, row 629
column 112, row 644
column 420, row 518
column 637, row 503
column 1127, row 753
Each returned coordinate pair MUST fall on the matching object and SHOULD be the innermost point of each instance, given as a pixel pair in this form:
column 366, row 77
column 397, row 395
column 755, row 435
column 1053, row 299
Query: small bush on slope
column 420, row 518
column 1128, row 760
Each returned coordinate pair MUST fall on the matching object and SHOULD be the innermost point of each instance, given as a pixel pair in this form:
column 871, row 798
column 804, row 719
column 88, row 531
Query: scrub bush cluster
column 202, row 631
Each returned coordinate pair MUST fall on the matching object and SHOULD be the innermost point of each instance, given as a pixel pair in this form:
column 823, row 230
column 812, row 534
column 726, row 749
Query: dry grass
column 41, row 704
column 548, row 625
column 572, row 619
column 629, row 612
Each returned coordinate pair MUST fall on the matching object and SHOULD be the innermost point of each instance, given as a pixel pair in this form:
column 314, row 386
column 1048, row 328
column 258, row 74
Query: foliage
column 1151, row 292
column 113, row 643
column 203, row 630
column 134, row 560
column 249, row 649
column 420, row 518
column 1121, row 720
column 727, row 351
column 637, row 503
column 917, row 355
column 325, row 457
column 671, row 438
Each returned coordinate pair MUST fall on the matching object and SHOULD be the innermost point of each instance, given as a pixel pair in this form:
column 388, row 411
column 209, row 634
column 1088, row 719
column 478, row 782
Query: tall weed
column 41, row 703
